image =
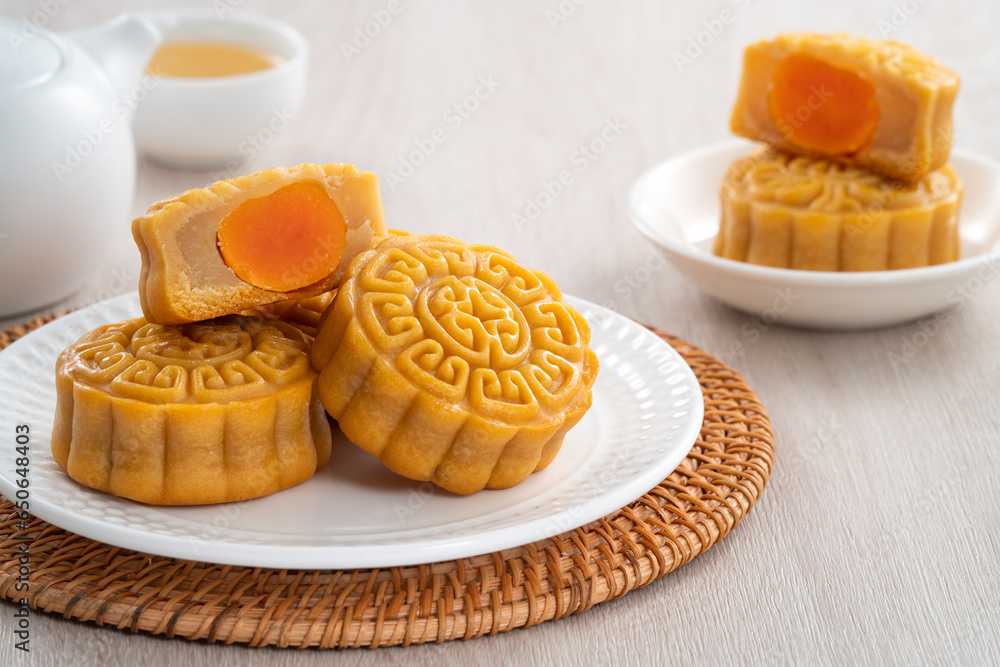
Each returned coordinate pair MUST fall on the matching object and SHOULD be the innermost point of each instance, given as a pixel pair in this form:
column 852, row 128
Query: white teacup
column 207, row 122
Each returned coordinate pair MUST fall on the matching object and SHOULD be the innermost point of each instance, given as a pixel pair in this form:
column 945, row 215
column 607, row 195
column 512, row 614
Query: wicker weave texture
column 683, row 516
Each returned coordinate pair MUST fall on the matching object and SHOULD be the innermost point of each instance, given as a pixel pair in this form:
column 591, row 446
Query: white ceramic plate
column 676, row 205
column 354, row 513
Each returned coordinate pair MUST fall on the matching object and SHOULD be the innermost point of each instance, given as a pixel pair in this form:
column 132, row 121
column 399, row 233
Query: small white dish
column 676, row 205
column 355, row 513
column 206, row 122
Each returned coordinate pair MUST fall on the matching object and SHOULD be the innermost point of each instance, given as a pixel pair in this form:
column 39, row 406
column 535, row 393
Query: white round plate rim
column 223, row 545
column 830, row 282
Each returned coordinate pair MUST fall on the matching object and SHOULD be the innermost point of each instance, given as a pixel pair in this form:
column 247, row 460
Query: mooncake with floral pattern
column 453, row 363
column 211, row 412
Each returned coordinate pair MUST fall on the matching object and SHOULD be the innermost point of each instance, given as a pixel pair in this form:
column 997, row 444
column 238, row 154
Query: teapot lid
column 28, row 55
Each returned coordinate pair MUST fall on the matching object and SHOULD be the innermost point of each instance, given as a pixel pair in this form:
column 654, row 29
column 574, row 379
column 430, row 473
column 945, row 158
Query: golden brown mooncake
column 211, row 412
column 879, row 105
column 453, row 363
column 283, row 233
column 802, row 213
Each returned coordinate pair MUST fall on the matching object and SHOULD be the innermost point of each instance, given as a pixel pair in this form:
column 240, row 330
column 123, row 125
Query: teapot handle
column 122, row 47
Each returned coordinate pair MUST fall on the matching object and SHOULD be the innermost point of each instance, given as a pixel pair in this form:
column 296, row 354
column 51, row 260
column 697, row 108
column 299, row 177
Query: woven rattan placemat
column 682, row 517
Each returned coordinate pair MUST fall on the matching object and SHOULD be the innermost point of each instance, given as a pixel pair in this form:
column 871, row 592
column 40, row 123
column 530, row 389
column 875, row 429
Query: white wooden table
column 878, row 537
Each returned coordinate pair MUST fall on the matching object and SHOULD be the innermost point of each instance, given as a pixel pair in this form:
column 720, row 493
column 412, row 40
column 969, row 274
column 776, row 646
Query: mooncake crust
column 915, row 93
column 211, row 412
column 452, row 363
column 184, row 277
column 798, row 212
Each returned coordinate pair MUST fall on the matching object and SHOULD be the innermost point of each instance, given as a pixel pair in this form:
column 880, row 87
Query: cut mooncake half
column 283, row 233
column 212, row 412
column 452, row 363
column 797, row 212
column 879, row 105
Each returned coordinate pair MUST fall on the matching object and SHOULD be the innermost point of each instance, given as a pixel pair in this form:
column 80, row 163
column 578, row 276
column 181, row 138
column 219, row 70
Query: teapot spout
column 123, row 47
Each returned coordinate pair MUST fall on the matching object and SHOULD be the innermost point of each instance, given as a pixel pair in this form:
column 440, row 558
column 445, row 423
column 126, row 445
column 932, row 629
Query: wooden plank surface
column 877, row 538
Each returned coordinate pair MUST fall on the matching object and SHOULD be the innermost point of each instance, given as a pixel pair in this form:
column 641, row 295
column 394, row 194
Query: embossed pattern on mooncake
column 453, row 363
column 216, row 411
column 803, row 213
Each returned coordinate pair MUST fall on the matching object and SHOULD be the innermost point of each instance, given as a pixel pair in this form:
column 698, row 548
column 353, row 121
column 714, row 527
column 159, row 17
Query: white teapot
column 67, row 157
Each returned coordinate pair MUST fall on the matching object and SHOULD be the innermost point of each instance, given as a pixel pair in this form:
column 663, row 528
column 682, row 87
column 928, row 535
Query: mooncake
column 279, row 234
column 211, row 412
column 452, row 363
column 803, row 213
column 879, row 105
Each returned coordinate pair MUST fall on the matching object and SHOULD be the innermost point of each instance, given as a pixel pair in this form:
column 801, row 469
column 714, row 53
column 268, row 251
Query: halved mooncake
column 283, row 233
column 453, row 363
column 797, row 212
column 880, row 105
column 212, row 412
